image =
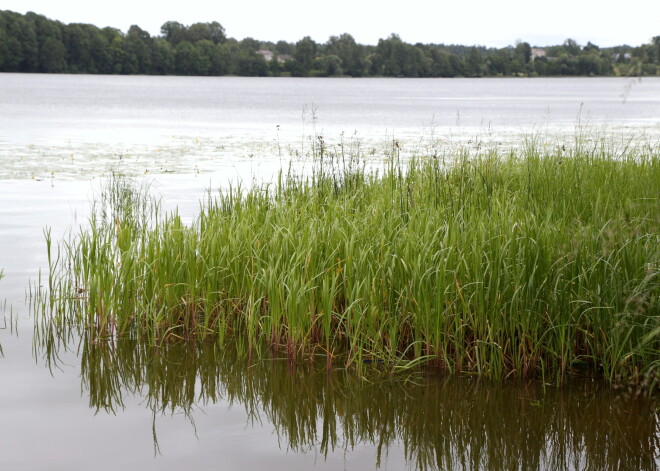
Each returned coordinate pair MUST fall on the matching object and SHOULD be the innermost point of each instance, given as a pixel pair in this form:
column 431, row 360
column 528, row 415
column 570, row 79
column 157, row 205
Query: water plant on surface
column 524, row 263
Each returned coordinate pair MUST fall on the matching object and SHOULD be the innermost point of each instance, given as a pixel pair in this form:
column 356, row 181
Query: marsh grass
column 519, row 263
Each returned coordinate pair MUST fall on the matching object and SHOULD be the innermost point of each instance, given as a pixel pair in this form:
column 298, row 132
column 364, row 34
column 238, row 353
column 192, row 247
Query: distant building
column 269, row 55
column 538, row 52
column 266, row 54
column 618, row 57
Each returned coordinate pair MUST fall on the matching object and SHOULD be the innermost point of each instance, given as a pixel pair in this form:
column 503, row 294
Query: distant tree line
column 34, row 43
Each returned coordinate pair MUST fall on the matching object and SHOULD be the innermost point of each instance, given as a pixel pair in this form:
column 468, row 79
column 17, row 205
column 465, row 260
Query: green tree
column 590, row 48
column 77, row 46
column 499, row 63
column 540, row 66
column 24, row 33
column 440, row 65
column 186, row 59
column 117, row 54
column 305, row 53
column 100, row 51
column 162, row 59
column 213, row 32
column 208, row 58
column 139, row 50
column 474, row 63
column 349, row 53
column 52, row 56
column 249, row 63
column 523, row 52
column 250, row 43
column 656, row 45
column 52, row 53
column 275, row 67
column 34, row 43
column 391, row 54
column 224, row 59
column 284, row 48
column 174, row 32
column 589, row 64
column 327, row 66
column 11, row 53
column 375, row 63
column 571, row 47
column 457, row 65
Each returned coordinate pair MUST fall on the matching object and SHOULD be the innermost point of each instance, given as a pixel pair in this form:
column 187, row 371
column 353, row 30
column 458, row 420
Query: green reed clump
column 522, row 263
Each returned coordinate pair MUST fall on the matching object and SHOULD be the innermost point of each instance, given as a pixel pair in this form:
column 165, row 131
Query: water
column 78, row 404
column 73, row 126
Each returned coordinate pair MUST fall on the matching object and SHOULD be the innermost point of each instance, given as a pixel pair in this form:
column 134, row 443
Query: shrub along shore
column 520, row 263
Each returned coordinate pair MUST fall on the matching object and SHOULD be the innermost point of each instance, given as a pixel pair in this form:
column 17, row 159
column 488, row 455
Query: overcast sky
column 483, row 22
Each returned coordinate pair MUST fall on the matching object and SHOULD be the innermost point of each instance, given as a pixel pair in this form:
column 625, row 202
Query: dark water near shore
column 67, row 404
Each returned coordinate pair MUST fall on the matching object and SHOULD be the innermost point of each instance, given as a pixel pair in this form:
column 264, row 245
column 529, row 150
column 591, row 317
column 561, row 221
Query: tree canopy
column 34, row 43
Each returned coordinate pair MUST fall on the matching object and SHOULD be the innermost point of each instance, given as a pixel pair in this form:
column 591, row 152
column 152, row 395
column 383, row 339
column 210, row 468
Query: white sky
column 484, row 22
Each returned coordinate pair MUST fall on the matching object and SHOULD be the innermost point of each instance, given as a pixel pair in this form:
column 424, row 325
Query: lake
column 74, row 126
column 68, row 404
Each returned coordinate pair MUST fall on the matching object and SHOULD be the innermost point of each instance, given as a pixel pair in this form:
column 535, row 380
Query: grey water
column 77, row 125
column 66, row 404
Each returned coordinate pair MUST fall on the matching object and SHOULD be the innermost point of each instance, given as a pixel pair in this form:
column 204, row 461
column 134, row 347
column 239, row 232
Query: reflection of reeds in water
column 5, row 320
column 440, row 422
column 525, row 264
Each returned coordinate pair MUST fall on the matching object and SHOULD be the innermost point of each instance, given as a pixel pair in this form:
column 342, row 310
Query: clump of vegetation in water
column 524, row 263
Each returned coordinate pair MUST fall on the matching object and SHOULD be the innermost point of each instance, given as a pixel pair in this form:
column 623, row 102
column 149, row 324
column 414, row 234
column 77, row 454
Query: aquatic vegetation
column 527, row 263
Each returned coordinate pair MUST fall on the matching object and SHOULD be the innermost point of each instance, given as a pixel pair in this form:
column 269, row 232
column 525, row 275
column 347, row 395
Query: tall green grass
column 505, row 264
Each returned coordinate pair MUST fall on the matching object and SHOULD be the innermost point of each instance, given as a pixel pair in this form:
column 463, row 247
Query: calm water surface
column 66, row 404
column 73, row 125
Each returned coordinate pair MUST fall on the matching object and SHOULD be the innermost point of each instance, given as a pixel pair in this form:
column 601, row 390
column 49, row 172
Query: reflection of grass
column 2, row 353
column 440, row 422
column 519, row 264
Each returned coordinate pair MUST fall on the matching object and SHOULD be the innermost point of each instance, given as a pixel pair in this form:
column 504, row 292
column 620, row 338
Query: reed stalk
column 520, row 263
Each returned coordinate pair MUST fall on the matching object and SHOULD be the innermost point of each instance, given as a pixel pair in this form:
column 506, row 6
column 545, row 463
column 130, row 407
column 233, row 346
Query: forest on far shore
column 34, row 43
